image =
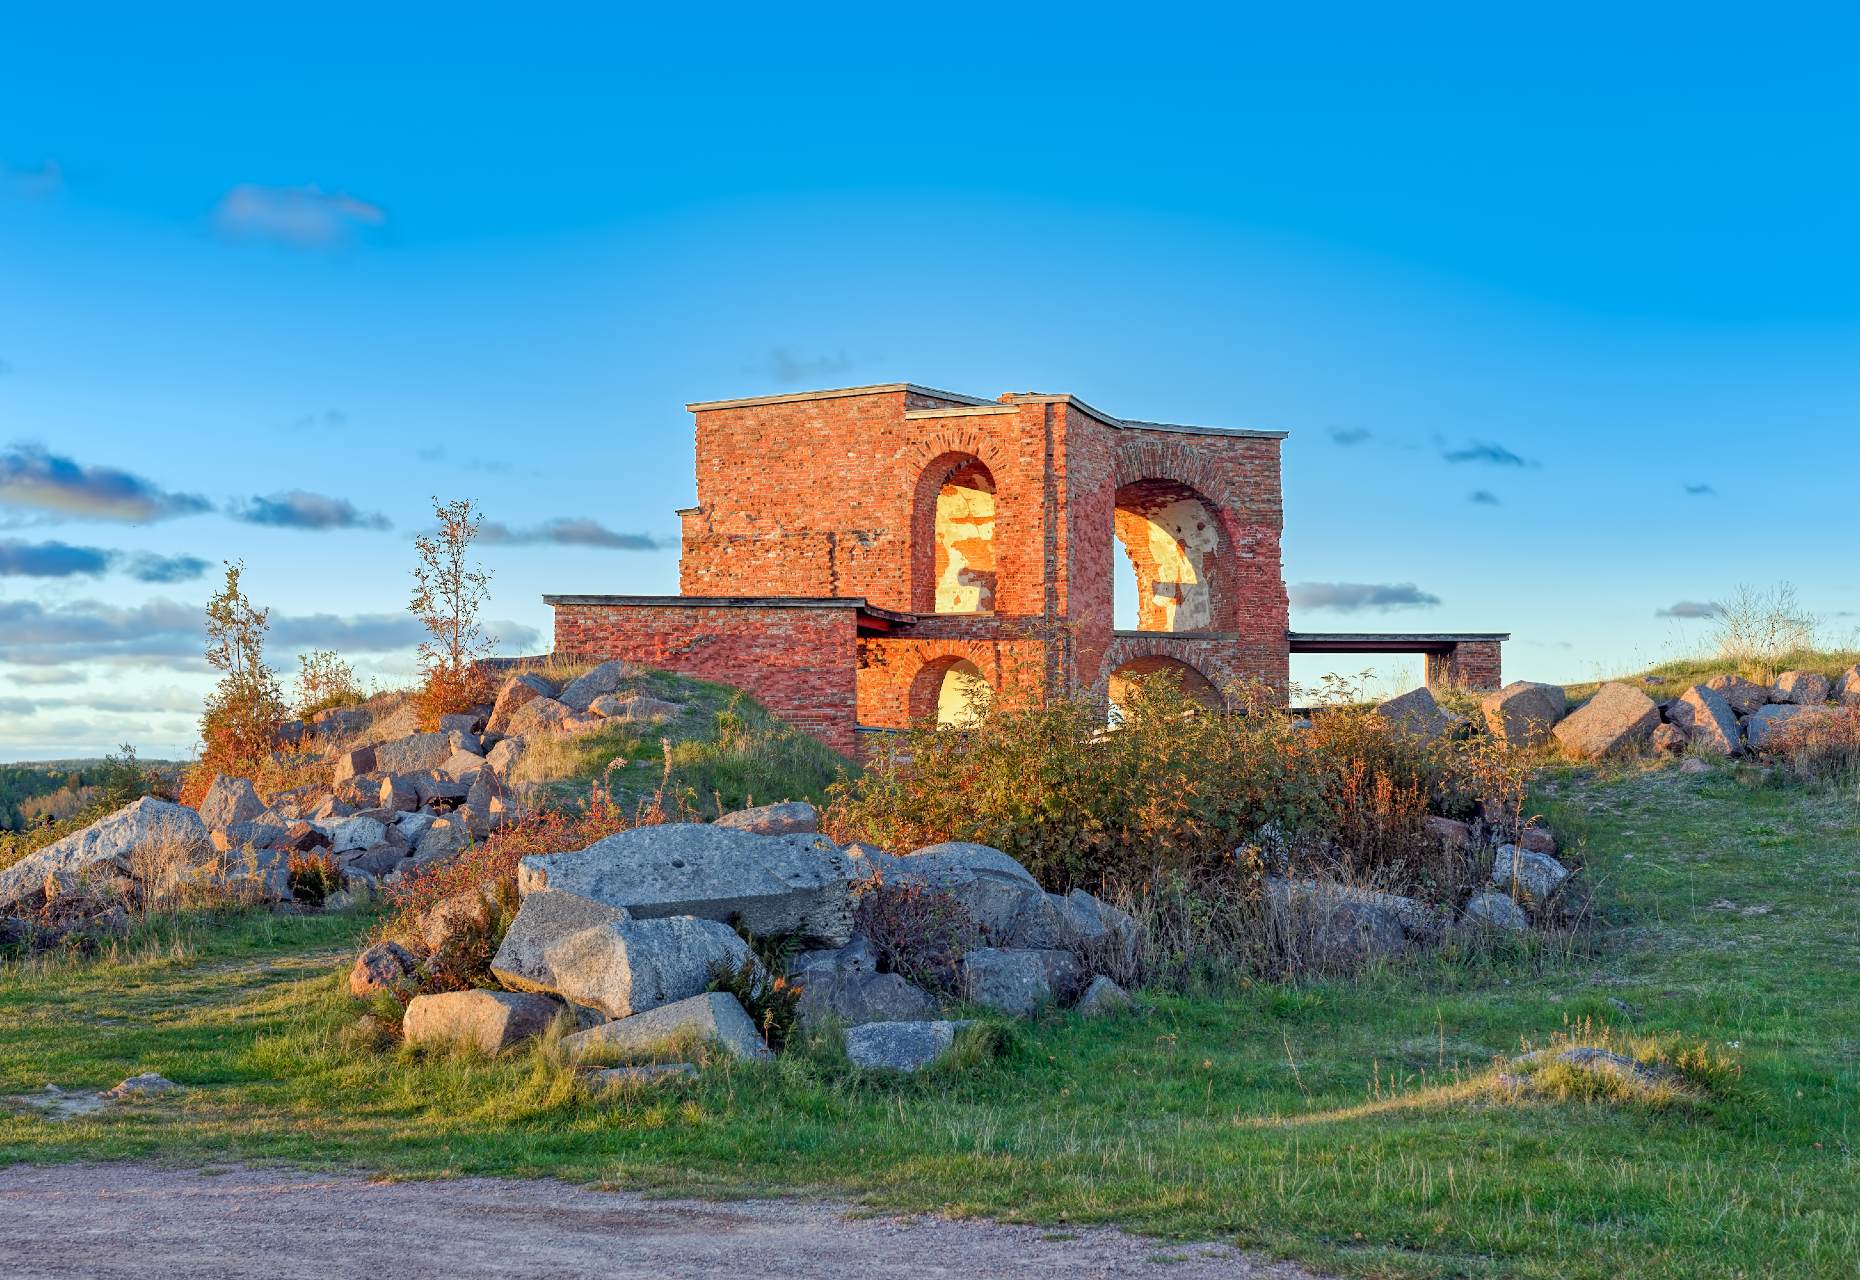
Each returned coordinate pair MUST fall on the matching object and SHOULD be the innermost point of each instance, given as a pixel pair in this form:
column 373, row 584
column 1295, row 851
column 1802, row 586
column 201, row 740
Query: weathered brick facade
column 835, row 531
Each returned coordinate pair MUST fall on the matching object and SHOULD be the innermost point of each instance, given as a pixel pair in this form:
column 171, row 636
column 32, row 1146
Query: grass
column 1356, row 1125
column 722, row 751
column 1670, row 679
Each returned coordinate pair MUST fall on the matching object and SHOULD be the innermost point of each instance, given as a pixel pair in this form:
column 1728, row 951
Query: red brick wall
column 798, row 662
column 1471, row 664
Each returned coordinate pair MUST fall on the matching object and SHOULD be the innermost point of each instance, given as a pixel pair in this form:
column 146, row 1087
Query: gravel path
column 126, row 1220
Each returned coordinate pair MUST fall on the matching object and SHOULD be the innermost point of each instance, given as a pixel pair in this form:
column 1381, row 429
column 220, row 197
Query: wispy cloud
column 568, row 532
column 1485, row 453
column 788, row 365
column 32, row 478
column 327, row 418
column 1484, row 498
column 20, row 559
column 1700, row 490
column 1355, row 597
column 299, row 509
column 40, row 183
column 302, row 217
column 1690, row 609
column 1348, row 437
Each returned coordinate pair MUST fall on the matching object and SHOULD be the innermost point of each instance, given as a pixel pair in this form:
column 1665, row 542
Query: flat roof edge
column 797, row 397
column 734, row 602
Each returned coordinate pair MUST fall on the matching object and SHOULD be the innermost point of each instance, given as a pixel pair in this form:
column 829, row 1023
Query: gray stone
column 1342, row 926
column 538, row 717
column 578, row 693
column 376, row 861
column 853, row 997
column 1496, row 911
column 1101, row 997
column 352, row 764
column 1800, row 688
column 791, row 817
column 714, row 1017
column 502, row 758
column 634, row 708
column 230, row 800
column 856, row 956
column 770, row 885
column 1761, row 728
column 995, row 890
column 900, row 1046
column 1668, row 739
column 412, row 826
column 146, row 1085
column 1528, row 877
column 629, row 966
column 517, row 692
column 1708, row 721
column 355, row 832
column 250, row 835
column 1524, row 712
column 544, row 918
column 1847, row 688
column 1617, row 719
column 461, row 722
column 398, row 792
column 444, row 838
column 1085, row 918
column 434, row 788
column 169, row 832
column 490, row 1021
column 1745, row 696
column 335, row 724
column 463, row 766
column 1019, row 980
column 414, row 753
column 644, row 1074
column 1418, row 713
column 382, row 967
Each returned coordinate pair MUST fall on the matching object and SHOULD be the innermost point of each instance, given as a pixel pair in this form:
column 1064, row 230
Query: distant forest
column 34, row 795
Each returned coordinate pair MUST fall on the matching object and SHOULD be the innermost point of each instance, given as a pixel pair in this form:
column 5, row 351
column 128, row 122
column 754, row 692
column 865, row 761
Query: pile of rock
column 630, row 933
column 1725, row 716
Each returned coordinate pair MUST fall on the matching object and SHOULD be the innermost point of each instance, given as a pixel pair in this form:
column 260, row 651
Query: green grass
column 1670, row 679
column 725, row 752
column 1354, row 1125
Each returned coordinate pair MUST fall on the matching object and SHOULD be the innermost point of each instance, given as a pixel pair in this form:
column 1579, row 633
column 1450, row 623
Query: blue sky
column 268, row 280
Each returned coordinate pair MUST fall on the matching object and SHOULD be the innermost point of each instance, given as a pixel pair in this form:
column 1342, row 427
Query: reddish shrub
column 917, row 932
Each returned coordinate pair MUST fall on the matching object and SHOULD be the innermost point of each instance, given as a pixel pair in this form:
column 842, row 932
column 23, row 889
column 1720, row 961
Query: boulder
column 469, row 722
column 543, row 919
column 538, row 717
column 443, row 838
column 995, row 890
column 634, row 708
column 463, row 766
column 1084, row 918
column 628, row 966
column 1103, row 996
column 770, row 885
column 1524, row 712
column 714, row 1017
column 376, row 860
column 1496, row 911
column 301, row 837
column 230, row 800
column 1745, row 696
column 490, row 1021
column 1847, row 688
column 578, row 693
column 249, row 835
column 334, row 724
column 1019, row 980
column 352, row 764
column 441, row 925
column 856, row 956
column 414, row 753
column 170, row 833
column 1668, row 739
column 517, row 691
column 502, row 758
column 791, row 817
column 1709, row 723
column 899, row 1046
column 1800, row 688
column 1451, row 833
column 1762, row 726
column 1342, row 926
column 411, row 826
column 1528, row 877
column 1618, row 718
column 382, row 967
column 355, row 832
column 1418, row 713
column 853, row 997
column 397, row 792
column 1537, row 840
column 434, row 788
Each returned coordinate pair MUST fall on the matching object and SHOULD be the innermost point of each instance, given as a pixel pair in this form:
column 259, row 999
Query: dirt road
column 125, row 1220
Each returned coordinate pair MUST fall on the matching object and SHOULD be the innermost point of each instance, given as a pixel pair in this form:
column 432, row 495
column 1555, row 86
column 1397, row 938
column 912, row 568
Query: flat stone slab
column 490, row 1021
column 770, row 885
column 630, row 966
column 900, row 1046
column 715, row 1017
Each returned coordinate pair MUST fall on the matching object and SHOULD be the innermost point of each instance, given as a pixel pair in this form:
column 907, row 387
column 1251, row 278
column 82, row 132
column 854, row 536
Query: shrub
column 768, row 999
column 1759, row 626
column 1820, row 745
column 243, row 713
column 917, row 932
column 324, row 680
column 448, row 591
column 314, row 875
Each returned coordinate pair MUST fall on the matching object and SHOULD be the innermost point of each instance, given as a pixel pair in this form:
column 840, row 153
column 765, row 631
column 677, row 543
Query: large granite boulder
column 1745, row 696
column 543, row 919
column 1531, row 878
column 852, row 997
column 1760, row 729
column 1847, row 689
column 1800, row 688
column 714, row 1017
column 1524, row 712
column 996, row 891
column 1018, row 981
column 1418, row 713
column 170, row 833
column 414, row 753
column 899, row 1046
column 538, row 718
column 230, row 800
column 627, row 966
column 769, row 885
column 1617, row 719
column 490, row 1021
column 789, row 818
column 1708, row 721
column 607, row 678
column 517, row 691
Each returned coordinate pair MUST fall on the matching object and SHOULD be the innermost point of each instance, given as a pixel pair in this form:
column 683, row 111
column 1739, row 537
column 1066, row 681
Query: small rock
column 900, row 1046
column 1018, row 981
column 489, row 1020
column 1668, row 739
column 1101, row 997
column 1692, row 764
column 145, row 1085
column 791, row 817
column 381, row 967
column 713, row 1017
column 1451, row 833
column 1496, row 911
column 1526, row 876
column 1537, row 840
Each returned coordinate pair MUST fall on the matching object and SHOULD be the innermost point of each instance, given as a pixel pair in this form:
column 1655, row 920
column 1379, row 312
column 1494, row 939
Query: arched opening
column 961, row 695
column 1126, row 679
column 1172, row 546
column 953, row 537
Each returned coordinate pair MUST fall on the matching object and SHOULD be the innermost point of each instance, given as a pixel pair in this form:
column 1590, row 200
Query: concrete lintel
column 796, row 397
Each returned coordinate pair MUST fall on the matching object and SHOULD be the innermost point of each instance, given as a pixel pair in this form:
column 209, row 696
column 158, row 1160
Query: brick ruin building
column 858, row 557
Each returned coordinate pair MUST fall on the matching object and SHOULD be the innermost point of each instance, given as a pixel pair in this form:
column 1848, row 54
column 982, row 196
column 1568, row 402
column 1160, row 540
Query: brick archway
column 1182, row 552
column 927, row 685
column 930, row 463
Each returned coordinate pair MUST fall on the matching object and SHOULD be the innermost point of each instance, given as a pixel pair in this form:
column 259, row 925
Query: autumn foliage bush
column 1822, row 745
column 239, row 724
